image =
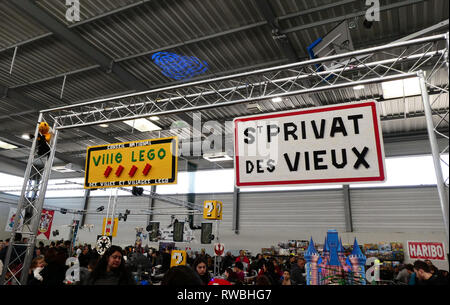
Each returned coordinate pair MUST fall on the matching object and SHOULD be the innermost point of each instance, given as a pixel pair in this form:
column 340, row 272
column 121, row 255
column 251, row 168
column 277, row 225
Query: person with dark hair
column 269, row 271
column 86, row 271
column 278, row 269
column 84, row 257
column 239, row 270
column 41, row 248
column 262, row 280
column 405, row 274
column 111, row 269
column 165, row 264
column 443, row 274
column 200, row 266
column 298, row 270
column 434, row 269
column 232, row 277
column 227, row 261
column 424, row 275
column 181, row 276
column 286, row 279
column 54, row 272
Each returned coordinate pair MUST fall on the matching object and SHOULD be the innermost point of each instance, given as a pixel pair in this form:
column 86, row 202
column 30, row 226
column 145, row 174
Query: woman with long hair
column 200, row 266
column 111, row 269
column 269, row 271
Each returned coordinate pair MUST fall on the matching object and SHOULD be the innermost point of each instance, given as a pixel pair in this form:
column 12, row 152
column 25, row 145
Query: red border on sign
column 381, row 177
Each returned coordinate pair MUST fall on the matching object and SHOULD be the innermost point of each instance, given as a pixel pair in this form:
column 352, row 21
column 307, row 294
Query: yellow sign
column 107, row 232
column 145, row 162
column 177, row 258
column 212, row 209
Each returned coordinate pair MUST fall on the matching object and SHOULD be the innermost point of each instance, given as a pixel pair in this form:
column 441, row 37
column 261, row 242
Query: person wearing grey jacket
column 404, row 275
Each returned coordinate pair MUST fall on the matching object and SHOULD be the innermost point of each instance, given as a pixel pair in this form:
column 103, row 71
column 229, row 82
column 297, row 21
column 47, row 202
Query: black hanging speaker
column 178, row 230
column 152, row 229
column 137, row 191
column 206, row 233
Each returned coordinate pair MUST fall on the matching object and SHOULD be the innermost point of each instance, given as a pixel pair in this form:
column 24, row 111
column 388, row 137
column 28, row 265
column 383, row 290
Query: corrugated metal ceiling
column 210, row 30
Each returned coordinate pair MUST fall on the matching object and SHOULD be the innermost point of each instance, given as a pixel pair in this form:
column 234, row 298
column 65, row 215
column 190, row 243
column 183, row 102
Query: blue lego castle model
column 332, row 267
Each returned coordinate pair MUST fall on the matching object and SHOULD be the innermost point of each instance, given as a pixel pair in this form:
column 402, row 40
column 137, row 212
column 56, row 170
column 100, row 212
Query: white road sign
column 325, row 145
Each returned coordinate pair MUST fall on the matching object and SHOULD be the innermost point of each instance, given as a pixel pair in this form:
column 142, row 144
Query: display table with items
column 334, row 263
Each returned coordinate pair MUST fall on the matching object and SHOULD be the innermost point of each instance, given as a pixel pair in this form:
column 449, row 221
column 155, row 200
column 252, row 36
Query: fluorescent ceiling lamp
column 154, row 118
column 217, row 157
column 26, row 136
column 104, row 125
column 142, row 125
column 401, row 88
column 62, row 169
column 5, row 145
column 359, row 87
column 277, row 99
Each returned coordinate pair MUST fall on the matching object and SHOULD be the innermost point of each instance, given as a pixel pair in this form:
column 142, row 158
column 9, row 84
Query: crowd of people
column 137, row 265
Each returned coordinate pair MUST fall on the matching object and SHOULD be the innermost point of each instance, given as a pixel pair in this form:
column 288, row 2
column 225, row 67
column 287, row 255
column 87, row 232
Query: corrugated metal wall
column 297, row 211
column 267, row 218
column 412, row 209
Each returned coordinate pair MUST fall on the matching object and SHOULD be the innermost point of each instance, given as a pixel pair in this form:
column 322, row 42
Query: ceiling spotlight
column 142, row 125
column 359, row 87
column 104, row 125
column 26, row 136
column 277, row 100
column 352, row 25
column 154, row 118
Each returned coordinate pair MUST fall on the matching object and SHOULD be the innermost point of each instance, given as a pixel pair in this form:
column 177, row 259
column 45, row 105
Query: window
column 409, row 171
column 400, row 171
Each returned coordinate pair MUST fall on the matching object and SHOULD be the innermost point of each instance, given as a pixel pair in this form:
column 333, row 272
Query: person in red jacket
column 278, row 269
column 243, row 259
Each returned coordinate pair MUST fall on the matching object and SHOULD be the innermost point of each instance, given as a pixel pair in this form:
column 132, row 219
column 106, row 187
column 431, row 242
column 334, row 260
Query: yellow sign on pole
column 212, row 209
column 177, row 258
column 145, row 162
column 106, row 230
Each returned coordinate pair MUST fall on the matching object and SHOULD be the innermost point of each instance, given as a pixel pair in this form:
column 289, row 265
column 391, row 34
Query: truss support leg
column 443, row 198
column 18, row 257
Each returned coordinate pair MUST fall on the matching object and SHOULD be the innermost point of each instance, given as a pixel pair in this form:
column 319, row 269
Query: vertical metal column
column 87, row 193
column 236, row 210
column 347, row 209
column 434, row 151
column 151, row 203
column 191, row 169
column 217, row 259
column 15, row 265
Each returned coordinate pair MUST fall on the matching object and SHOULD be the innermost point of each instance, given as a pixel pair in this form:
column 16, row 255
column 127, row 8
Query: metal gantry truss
column 394, row 61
